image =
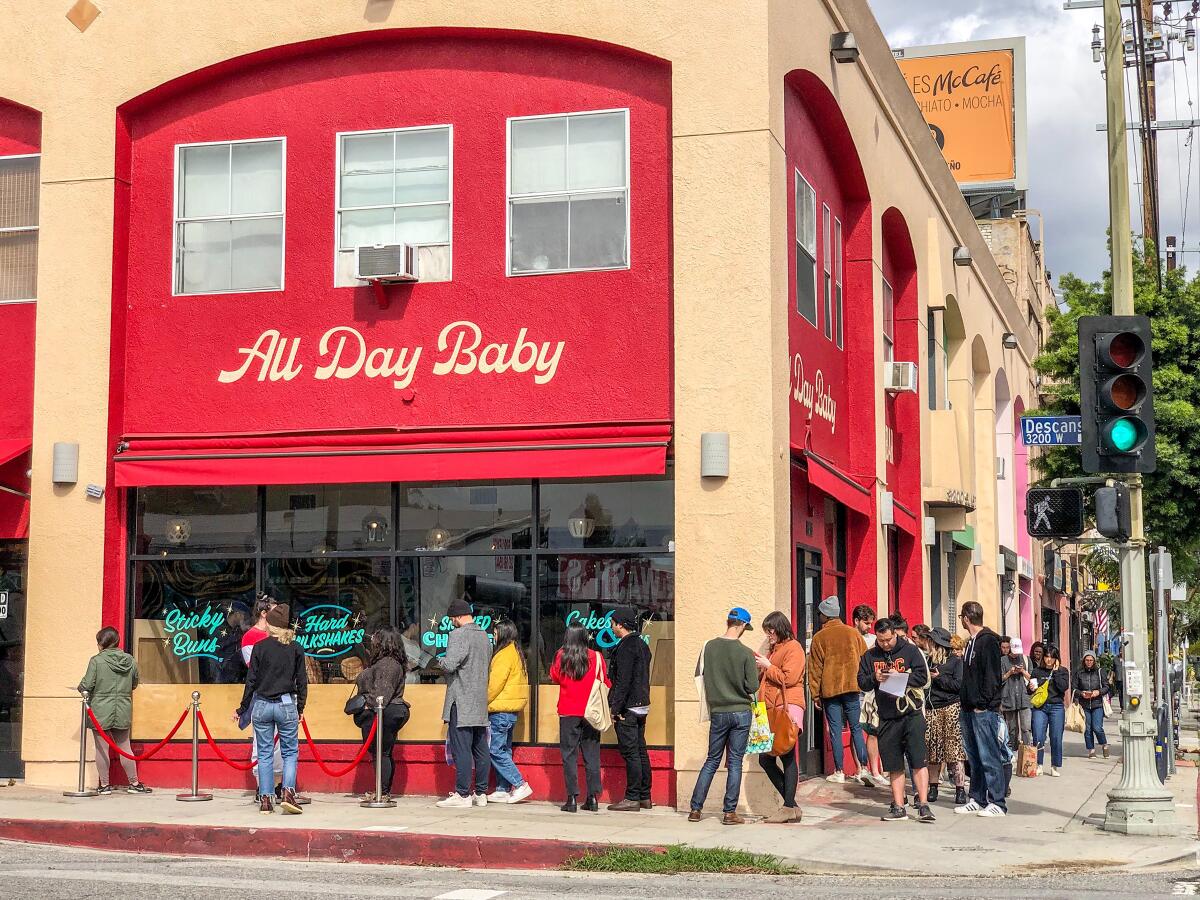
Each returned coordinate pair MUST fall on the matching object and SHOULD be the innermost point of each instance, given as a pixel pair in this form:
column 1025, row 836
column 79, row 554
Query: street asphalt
column 53, row 873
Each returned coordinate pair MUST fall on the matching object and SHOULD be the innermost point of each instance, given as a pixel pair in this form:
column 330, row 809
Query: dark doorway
column 13, row 556
column 807, row 621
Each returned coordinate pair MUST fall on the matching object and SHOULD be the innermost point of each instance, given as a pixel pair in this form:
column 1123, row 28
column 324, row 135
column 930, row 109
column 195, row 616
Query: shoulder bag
column 700, row 693
column 597, row 713
column 1041, row 695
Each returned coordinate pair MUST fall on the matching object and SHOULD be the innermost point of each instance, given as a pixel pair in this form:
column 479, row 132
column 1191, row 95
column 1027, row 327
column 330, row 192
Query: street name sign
column 1049, row 431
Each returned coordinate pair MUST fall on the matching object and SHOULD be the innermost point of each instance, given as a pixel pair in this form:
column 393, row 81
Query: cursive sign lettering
column 813, row 395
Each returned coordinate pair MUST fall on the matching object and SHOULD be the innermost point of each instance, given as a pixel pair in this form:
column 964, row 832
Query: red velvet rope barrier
column 361, row 753
column 241, row 767
column 149, row 753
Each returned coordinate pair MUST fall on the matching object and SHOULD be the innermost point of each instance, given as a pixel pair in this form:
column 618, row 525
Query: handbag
column 705, row 717
column 1075, row 719
column 1107, row 708
column 1041, row 695
column 761, row 738
column 785, row 731
column 597, row 712
column 869, row 711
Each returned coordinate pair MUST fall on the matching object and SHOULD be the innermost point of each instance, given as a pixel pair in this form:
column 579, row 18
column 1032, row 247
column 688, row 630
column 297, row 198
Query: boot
column 591, row 804
column 265, row 806
column 933, row 794
column 288, row 804
column 960, row 796
column 569, row 806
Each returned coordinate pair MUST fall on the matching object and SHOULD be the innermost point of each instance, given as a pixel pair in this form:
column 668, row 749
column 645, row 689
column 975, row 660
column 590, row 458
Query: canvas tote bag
column 597, row 713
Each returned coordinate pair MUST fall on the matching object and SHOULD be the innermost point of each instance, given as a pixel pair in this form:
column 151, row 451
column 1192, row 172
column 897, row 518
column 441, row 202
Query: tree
column 1172, row 494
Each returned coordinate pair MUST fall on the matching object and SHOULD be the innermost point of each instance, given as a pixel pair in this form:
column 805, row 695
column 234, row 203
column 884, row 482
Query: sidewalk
column 841, row 831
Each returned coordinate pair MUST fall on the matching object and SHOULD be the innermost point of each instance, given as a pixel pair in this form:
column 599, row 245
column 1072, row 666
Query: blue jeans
column 268, row 716
column 987, row 754
column 1093, row 732
column 726, row 731
column 845, row 708
column 508, row 776
column 1052, row 718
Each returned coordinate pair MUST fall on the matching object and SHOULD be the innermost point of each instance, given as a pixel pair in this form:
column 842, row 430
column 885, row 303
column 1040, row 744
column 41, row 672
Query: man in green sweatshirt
column 730, row 682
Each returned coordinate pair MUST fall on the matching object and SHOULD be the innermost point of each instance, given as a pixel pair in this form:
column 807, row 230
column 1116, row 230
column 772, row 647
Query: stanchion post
column 377, row 802
column 82, row 790
column 195, row 796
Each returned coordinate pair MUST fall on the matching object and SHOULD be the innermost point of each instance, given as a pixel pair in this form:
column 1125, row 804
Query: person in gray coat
column 465, row 711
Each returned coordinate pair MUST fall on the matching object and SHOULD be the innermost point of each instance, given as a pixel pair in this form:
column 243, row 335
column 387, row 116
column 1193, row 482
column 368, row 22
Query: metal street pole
column 1139, row 804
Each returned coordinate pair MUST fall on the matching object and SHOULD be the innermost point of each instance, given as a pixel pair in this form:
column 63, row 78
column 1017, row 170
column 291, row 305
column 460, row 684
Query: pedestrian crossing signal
column 1054, row 512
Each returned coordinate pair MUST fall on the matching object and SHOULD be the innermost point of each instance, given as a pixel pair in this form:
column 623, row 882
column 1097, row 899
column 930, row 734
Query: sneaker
column 104, row 789
column 137, row 788
column 455, row 801
column 1039, row 770
column 1091, row 754
column 991, row 810
column 836, row 778
column 969, row 807
column 960, row 796
column 1055, row 772
column 879, row 781
column 1105, row 749
column 925, row 814
column 864, row 778
column 479, row 800
column 524, row 792
column 498, row 796
column 895, row 814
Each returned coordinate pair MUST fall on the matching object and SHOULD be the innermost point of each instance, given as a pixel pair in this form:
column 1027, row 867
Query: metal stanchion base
column 81, row 793
column 193, row 798
column 378, row 804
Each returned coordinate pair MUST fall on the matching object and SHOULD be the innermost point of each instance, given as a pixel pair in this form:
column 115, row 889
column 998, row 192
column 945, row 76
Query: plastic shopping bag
column 761, row 737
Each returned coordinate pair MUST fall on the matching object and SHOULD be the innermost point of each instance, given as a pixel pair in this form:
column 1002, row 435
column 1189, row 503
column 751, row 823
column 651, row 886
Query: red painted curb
column 390, row 848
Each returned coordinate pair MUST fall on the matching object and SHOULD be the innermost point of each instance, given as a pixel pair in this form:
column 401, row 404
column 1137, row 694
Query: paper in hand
column 894, row 684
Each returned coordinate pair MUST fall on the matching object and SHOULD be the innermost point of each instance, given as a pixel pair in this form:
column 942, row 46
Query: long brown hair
column 573, row 657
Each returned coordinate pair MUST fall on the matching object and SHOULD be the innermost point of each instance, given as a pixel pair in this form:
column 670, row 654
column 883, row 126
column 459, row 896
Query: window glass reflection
column 318, row 518
column 612, row 512
column 175, row 521
column 486, row 517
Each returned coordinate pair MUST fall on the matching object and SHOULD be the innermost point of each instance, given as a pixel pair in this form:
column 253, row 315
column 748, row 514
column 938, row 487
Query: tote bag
column 761, row 738
column 705, row 717
column 597, row 713
column 1075, row 719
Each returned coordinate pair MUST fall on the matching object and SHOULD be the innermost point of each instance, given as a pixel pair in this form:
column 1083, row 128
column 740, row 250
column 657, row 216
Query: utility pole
column 1143, row 17
column 1139, row 804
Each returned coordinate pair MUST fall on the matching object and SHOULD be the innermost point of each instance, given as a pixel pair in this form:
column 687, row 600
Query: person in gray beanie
column 465, row 710
column 833, row 682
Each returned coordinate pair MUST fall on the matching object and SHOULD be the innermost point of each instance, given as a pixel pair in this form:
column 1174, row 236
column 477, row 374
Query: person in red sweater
column 574, row 670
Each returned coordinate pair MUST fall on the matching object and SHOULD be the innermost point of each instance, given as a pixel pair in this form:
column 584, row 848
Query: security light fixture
column 1010, row 341
column 843, row 47
column 962, row 256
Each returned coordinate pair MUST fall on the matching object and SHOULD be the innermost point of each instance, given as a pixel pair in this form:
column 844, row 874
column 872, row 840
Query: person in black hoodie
column 901, row 719
column 629, row 700
column 980, row 716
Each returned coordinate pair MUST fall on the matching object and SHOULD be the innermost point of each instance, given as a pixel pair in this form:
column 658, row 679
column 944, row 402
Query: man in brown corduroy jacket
column 833, row 682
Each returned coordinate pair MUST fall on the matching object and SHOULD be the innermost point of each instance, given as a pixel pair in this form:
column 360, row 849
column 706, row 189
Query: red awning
column 11, row 448
column 906, row 520
column 539, row 452
column 825, row 477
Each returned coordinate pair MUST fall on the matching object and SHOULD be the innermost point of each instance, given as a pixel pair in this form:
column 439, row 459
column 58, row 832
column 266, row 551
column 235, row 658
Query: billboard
column 973, row 98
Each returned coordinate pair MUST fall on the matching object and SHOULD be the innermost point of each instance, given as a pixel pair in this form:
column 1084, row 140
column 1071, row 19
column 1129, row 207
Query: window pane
column 538, row 156
column 889, row 312
column 473, row 518
column 806, row 285
column 257, row 254
column 422, row 166
column 539, row 235
column 617, row 512
column 18, row 265
column 205, row 179
column 318, row 518
column 19, row 184
column 189, row 616
column 367, row 226
column 204, row 256
column 837, row 315
column 597, row 232
column 367, row 170
column 806, row 216
column 183, row 520
column 596, row 158
column 826, row 236
column 423, row 224
column 828, row 305
column 258, row 178
column 838, row 250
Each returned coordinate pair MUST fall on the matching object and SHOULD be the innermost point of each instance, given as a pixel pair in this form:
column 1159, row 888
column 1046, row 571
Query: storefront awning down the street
column 585, row 451
column 825, row 477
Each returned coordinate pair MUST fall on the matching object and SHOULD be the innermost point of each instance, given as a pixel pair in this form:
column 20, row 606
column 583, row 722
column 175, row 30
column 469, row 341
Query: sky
column 1067, row 156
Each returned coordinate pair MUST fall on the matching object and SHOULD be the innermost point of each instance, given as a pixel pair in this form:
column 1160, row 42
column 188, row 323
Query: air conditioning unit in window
column 385, row 263
column 900, row 377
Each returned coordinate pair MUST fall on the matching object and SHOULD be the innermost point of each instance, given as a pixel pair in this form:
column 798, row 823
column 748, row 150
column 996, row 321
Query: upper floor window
column 889, row 323
column 568, row 193
column 838, row 252
column 19, row 184
column 827, row 247
column 806, row 249
column 229, row 217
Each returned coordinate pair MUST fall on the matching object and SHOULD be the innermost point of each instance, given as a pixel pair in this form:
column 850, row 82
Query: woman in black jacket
column 384, row 677
column 1089, row 689
column 943, row 733
column 1051, row 716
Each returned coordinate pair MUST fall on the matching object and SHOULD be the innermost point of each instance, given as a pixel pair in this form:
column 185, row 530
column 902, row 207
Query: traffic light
column 1113, row 513
column 1054, row 512
column 1116, row 394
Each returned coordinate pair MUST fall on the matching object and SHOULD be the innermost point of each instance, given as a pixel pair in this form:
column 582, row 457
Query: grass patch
column 678, row 858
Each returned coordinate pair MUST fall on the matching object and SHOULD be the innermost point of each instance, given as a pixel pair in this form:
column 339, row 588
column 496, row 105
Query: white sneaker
column 524, row 792
column 1055, row 773
column 880, row 782
column 498, row 796
column 990, row 810
column 478, row 800
column 455, row 801
column 1039, row 770
column 864, row 778
column 969, row 807
column 836, row 778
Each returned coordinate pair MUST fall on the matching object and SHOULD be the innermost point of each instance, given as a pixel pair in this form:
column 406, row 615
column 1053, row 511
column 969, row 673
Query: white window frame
column 508, row 194
column 889, row 340
column 827, row 270
column 21, row 229
column 337, row 190
column 839, row 293
column 811, row 251
column 176, row 220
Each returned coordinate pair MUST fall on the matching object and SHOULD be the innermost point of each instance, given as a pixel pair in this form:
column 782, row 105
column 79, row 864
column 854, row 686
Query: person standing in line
column 275, row 693
column 864, row 622
column 833, row 682
column 781, row 686
column 943, row 731
column 1051, row 719
column 629, row 701
column 384, row 677
column 1014, row 692
column 957, row 645
column 900, row 624
column 465, row 709
column 901, row 719
column 1037, row 653
column 253, row 635
column 1088, row 691
column 575, row 669
column 980, row 711
column 110, row 680
column 730, row 680
column 508, row 695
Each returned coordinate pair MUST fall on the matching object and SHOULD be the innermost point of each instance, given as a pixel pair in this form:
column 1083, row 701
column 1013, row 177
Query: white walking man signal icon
column 1042, row 511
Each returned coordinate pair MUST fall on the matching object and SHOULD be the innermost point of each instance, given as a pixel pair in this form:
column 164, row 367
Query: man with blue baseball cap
column 730, row 680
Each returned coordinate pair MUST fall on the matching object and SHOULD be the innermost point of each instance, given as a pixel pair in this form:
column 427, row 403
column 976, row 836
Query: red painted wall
column 16, row 400
column 20, row 129
column 615, row 365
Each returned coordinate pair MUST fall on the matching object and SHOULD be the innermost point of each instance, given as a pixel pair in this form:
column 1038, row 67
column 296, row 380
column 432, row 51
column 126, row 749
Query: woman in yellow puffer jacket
column 508, row 695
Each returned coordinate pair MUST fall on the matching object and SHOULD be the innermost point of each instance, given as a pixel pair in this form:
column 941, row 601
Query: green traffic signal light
column 1124, row 435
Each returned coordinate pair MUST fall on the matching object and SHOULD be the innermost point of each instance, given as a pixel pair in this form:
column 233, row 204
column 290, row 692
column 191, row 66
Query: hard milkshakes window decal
column 329, row 631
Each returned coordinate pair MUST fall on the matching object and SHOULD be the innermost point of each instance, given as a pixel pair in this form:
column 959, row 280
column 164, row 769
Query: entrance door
column 12, row 655
column 808, row 597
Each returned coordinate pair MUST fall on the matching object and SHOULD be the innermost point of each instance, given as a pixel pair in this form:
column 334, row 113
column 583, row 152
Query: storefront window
column 617, row 512
column 320, row 518
column 180, row 521
column 489, row 517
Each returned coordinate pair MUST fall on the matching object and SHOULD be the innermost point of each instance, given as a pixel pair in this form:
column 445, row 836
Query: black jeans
column 470, row 747
column 631, row 741
column 394, row 717
column 784, row 772
column 574, row 734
